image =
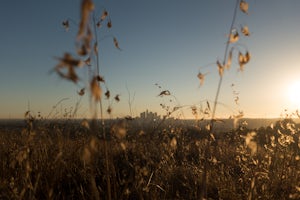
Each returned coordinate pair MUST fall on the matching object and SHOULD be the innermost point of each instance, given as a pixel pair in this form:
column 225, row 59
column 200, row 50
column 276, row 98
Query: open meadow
column 66, row 160
column 231, row 132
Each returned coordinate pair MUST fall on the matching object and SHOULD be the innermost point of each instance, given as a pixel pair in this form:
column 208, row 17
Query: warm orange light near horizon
column 293, row 93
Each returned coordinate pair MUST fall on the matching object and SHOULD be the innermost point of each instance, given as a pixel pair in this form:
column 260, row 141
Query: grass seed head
column 220, row 69
column 109, row 110
column 95, row 89
column 244, row 6
column 104, row 15
column 229, row 60
column 87, row 6
column 201, row 77
column 66, row 25
column 107, row 94
column 109, row 24
column 69, row 64
column 82, row 50
column 245, row 30
column 116, row 43
column 234, row 37
column 164, row 93
column 88, row 61
column 96, row 47
column 98, row 24
column 81, row 92
column 100, row 78
column 117, row 98
column 243, row 59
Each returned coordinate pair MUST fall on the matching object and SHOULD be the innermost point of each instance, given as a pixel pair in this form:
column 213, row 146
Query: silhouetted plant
column 87, row 47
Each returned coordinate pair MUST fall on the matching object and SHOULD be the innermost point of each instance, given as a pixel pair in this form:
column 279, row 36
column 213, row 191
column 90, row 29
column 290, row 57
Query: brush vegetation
column 47, row 160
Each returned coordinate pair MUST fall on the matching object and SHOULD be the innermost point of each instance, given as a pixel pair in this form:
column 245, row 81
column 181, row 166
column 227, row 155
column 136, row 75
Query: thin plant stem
column 130, row 100
column 55, row 106
column 102, row 120
column 208, row 143
column 98, row 73
column 224, row 62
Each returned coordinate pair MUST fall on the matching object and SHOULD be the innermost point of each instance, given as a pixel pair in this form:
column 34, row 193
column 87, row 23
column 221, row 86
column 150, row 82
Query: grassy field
column 126, row 159
column 44, row 160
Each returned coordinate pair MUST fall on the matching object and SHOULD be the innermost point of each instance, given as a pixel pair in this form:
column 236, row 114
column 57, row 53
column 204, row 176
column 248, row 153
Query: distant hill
column 220, row 125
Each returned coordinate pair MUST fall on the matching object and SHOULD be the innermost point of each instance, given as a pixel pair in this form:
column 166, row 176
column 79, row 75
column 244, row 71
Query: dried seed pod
column 109, row 110
column 88, row 61
column 95, row 89
column 100, row 78
column 109, row 24
column 245, row 30
column 117, row 98
column 165, row 92
column 98, row 24
column 96, row 47
column 243, row 59
column 84, row 44
column 229, row 61
column 116, row 43
column 68, row 60
column 233, row 37
column 236, row 100
column 247, row 57
column 201, row 77
column 82, row 51
column 69, row 63
column 81, row 92
column 104, row 15
column 86, row 7
column 244, row 6
column 66, row 25
column 208, row 105
column 107, row 94
column 220, row 68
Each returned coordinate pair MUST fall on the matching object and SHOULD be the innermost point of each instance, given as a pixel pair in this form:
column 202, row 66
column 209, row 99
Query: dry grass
column 131, row 160
column 63, row 161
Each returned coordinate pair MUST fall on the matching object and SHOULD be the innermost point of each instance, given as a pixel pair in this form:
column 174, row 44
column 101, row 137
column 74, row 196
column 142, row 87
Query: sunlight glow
column 294, row 93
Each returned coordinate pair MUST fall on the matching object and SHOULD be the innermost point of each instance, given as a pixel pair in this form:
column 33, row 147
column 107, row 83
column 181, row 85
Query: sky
column 163, row 42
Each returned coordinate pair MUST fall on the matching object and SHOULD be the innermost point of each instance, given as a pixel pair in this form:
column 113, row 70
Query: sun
column 294, row 93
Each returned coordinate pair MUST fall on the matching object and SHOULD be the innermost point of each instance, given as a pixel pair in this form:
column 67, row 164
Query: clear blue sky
column 166, row 42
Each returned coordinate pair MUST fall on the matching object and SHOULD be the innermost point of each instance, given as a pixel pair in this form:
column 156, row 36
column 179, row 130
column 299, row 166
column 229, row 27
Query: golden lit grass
column 90, row 160
column 63, row 163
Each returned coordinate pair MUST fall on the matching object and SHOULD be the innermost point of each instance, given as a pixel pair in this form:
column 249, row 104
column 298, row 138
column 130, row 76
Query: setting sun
column 294, row 93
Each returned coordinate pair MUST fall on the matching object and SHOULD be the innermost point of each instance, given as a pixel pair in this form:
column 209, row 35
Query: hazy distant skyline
column 165, row 42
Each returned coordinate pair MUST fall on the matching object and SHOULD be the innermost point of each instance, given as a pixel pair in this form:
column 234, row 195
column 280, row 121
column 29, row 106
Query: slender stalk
column 102, row 120
column 208, row 143
column 224, row 62
column 130, row 100
column 98, row 73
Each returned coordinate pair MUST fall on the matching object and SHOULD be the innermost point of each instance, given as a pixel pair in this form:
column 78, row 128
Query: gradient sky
column 163, row 41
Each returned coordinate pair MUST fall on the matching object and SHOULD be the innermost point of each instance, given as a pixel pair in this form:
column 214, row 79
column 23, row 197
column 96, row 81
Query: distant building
column 149, row 116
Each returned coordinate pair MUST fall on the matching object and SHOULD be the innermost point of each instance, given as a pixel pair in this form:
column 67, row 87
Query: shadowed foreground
column 66, row 161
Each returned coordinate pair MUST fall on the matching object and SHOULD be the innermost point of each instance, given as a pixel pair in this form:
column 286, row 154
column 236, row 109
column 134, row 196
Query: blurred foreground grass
column 66, row 161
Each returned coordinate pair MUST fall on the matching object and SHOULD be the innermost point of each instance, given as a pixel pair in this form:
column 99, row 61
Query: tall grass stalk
column 87, row 45
column 208, row 143
column 224, row 63
column 107, row 161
